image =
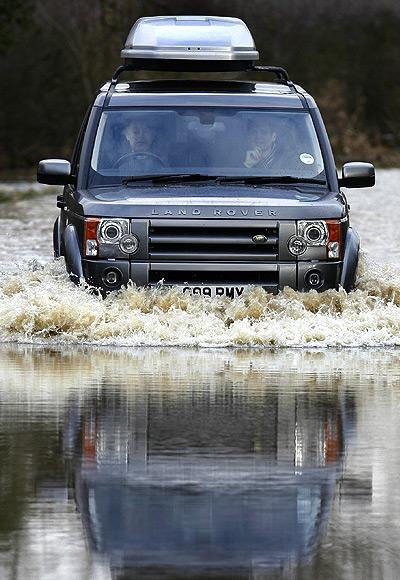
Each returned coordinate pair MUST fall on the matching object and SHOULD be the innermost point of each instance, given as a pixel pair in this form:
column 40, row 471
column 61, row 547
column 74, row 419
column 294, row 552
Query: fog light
column 129, row 244
column 297, row 245
column 112, row 277
column 314, row 279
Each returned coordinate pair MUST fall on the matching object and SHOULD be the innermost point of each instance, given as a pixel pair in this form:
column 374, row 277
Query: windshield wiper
column 270, row 179
column 170, row 177
column 247, row 179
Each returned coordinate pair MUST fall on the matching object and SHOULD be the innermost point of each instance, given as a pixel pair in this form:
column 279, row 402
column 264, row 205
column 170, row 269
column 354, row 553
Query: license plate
column 212, row 291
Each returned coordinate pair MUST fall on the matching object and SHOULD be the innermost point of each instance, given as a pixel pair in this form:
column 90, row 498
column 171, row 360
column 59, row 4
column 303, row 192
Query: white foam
column 41, row 305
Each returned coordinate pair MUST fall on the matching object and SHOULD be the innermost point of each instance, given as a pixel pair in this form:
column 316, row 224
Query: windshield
column 213, row 141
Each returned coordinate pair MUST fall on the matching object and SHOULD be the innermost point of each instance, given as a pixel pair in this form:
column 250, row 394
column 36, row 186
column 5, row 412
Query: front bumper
column 272, row 276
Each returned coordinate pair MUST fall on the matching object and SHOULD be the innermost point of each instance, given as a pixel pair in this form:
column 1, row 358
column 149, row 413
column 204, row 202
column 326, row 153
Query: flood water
column 152, row 435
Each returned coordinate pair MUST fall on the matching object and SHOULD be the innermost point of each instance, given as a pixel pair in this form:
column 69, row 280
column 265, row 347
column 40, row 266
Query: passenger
column 264, row 148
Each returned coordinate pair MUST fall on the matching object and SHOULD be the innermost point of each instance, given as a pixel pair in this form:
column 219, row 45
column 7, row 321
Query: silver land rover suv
column 207, row 185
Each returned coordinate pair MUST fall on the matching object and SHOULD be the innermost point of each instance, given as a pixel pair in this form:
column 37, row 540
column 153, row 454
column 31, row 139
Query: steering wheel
column 142, row 156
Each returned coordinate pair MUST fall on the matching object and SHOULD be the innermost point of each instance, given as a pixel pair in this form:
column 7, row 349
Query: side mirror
column 357, row 174
column 54, row 172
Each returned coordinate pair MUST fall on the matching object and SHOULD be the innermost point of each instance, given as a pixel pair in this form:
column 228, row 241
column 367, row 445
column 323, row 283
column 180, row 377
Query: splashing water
column 40, row 304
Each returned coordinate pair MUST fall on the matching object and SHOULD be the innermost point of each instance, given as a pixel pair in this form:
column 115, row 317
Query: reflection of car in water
column 188, row 484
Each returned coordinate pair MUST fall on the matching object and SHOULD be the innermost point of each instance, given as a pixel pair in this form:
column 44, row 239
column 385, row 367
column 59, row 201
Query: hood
column 226, row 201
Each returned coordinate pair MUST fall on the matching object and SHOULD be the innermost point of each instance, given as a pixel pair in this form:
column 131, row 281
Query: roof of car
column 231, row 93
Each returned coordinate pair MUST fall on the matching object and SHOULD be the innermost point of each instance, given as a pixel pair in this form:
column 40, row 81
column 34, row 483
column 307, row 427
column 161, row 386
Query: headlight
column 326, row 234
column 314, row 232
column 107, row 237
column 111, row 231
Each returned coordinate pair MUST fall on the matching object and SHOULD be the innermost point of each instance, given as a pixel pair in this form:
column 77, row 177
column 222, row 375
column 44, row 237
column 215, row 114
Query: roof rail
column 122, row 68
column 280, row 72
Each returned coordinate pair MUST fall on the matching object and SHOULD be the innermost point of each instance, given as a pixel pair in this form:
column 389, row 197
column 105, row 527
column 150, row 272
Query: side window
column 78, row 144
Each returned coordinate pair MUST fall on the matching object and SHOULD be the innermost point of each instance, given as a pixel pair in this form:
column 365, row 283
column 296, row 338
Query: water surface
column 123, row 461
column 165, row 463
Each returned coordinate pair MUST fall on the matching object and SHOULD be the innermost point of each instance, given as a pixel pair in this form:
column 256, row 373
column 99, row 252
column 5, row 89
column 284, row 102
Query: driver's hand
column 253, row 157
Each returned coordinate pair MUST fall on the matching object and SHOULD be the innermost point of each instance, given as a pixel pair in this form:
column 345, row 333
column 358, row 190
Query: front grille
column 209, row 240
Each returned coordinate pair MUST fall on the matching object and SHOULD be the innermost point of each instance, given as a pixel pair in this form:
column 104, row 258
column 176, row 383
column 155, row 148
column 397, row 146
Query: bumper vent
column 268, row 279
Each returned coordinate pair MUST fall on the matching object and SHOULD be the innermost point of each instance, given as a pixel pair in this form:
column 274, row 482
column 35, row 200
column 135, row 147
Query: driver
column 141, row 137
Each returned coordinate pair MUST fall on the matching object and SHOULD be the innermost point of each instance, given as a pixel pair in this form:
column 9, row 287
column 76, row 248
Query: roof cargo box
column 203, row 43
